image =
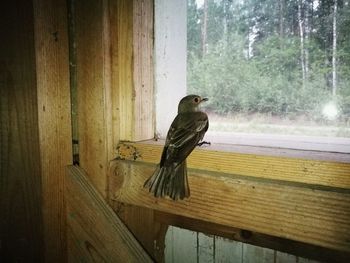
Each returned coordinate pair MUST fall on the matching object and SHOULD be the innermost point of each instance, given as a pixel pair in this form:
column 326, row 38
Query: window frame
column 166, row 72
column 305, row 169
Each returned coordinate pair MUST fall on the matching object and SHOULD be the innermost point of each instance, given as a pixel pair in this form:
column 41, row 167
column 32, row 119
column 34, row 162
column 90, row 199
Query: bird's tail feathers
column 169, row 181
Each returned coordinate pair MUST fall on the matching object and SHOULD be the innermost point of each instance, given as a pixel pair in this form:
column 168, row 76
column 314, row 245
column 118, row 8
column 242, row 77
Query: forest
column 287, row 59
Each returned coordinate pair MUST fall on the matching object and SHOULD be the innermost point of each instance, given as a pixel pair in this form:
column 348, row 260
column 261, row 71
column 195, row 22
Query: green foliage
column 269, row 79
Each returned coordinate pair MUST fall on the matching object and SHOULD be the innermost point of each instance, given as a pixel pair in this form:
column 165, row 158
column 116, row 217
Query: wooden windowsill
column 316, row 168
column 288, row 196
column 328, row 148
column 301, row 147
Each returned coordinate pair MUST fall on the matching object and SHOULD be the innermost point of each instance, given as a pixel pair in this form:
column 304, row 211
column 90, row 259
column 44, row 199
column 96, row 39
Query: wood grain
column 135, row 69
column 131, row 38
column 21, row 221
column 123, row 63
column 141, row 222
column 51, row 45
column 148, row 231
column 113, row 94
column 298, row 213
column 93, row 89
column 296, row 170
column 143, row 70
column 95, row 233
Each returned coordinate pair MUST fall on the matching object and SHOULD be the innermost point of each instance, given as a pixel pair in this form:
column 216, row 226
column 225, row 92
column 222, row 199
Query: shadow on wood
column 95, row 233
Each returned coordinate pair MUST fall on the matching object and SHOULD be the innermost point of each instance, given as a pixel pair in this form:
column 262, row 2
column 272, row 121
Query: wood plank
column 297, row 213
column 135, row 69
column 95, row 233
column 131, row 39
column 51, row 45
column 141, row 222
column 296, row 170
column 114, row 79
column 143, row 70
column 113, row 94
column 123, row 63
column 93, row 88
column 21, row 219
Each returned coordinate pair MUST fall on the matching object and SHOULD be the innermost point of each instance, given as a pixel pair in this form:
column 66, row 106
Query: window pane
column 271, row 67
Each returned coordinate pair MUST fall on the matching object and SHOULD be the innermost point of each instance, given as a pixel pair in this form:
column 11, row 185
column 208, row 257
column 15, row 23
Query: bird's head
column 190, row 103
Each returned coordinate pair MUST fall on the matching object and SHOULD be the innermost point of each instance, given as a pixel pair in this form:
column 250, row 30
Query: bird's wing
column 184, row 134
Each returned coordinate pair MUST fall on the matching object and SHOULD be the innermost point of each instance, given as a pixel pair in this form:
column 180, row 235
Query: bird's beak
column 204, row 99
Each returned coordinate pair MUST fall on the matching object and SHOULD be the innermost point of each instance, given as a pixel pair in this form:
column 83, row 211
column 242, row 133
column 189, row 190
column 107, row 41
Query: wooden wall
column 35, row 130
column 114, row 72
column 112, row 42
column 114, row 79
column 95, row 233
column 52, row 71
column 93, row 89
column 20, row 178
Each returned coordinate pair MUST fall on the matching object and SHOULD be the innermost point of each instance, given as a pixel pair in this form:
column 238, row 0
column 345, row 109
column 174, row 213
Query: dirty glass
column 272, row 66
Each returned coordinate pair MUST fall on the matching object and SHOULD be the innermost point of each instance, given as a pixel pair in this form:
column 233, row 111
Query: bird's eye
column 196, row 100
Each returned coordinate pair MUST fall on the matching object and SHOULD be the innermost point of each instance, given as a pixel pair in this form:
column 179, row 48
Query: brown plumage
column 185, row 132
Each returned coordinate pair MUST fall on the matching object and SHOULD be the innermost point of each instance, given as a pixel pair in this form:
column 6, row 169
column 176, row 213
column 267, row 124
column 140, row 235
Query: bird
column 185, row 133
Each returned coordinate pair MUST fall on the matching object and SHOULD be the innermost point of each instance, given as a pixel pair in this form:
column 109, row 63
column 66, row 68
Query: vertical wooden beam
column 21, row 224
column 131, row 31
column 94, row 90
column 135, row 69
column 143, row 70
column 123, row 64
column 115, row 90
column 114, row 93
column 114, row 79
column 51, row 46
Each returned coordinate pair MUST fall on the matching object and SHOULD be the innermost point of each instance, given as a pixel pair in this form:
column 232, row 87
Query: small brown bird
column 185, row 133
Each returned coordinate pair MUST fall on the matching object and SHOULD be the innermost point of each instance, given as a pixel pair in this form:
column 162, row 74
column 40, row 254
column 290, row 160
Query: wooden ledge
column 318, row 217
column 309, row 168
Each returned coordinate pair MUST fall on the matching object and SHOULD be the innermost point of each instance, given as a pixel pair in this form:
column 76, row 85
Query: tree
column 204, row 28
column 193, row 29
column 334, row 49
column 280, row 57
column 301, row 35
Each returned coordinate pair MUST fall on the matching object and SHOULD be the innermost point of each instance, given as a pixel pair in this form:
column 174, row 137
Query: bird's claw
column 203, row 142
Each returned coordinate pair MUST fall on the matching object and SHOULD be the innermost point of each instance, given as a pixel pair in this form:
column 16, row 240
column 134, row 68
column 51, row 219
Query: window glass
column 273, row 66
column 276, row 72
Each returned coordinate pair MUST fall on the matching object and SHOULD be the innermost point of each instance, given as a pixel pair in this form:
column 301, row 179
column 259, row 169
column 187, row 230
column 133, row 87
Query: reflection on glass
column 275, row 67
